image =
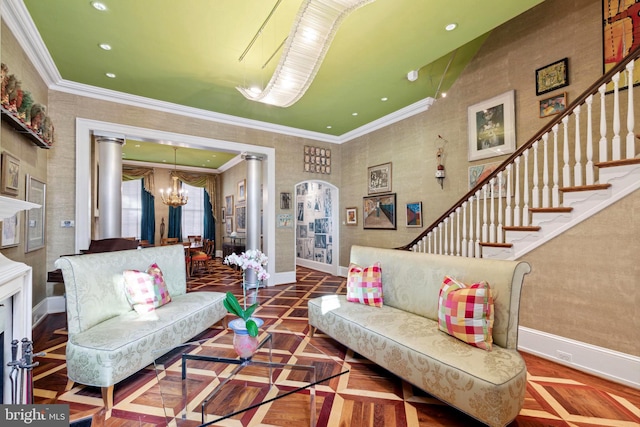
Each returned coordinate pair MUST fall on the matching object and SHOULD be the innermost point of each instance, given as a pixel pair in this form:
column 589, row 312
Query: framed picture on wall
column 351, row 216
column 479, row 172
column 228, row 200
column 379, row 212
column 552, row 76
column 35, row 218
column 492, row 127
column 242, row 190
column 241, row 218
column 10, row 231
column 379, row 178
column 228, row 225
column 553, row 105
column 414, row 214
column 10, row 174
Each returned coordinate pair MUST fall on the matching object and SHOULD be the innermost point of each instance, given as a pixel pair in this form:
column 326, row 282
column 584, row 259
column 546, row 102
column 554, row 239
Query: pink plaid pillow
column 146, row 291
column 466, row 312
column 364, row 285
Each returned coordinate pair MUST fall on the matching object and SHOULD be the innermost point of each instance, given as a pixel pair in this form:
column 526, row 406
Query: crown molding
column 17, row 18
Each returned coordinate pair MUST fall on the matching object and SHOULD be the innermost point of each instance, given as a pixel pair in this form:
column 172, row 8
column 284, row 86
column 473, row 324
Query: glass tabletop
column 203, row 382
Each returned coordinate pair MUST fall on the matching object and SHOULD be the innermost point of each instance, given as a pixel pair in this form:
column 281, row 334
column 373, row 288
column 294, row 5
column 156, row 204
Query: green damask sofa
column 403, row 337
column 108, row 340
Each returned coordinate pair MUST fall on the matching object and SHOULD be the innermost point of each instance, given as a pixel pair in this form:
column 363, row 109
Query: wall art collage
column 314, row 222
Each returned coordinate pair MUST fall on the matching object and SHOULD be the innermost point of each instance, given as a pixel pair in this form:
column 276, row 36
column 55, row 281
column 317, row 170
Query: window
column 131, row 208
column 193, row 212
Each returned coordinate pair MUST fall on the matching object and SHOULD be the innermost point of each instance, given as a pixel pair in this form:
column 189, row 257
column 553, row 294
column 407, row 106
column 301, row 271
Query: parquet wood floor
column 368, row 396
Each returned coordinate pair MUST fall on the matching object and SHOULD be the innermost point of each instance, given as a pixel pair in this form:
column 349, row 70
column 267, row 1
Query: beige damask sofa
column 403, row 337
column 108, row 340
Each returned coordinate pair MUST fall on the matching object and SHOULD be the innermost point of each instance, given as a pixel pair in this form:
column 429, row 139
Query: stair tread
column 558, row 209
column 521, row 228
column 613, row 163
column 592, row 187
column 496, row 245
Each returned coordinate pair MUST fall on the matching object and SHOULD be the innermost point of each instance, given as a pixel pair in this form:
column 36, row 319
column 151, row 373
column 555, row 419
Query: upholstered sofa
column 403, row 336
column 107, row 339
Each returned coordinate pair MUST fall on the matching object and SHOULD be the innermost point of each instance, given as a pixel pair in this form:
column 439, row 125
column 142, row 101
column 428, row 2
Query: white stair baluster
column 589, row 166
column 499, row 231
column 516, row 201
column 577, row 167
column 525, row 190
column 476, row 248
column 464, row 242
column 458, row 241
column 440, row 227
column 602, row 154
column 492, row 215
column 631, row 138
column 555, row 193
column 535, row 191
column 545, row 170
column 615, row 142
column 485, row 226
column 445, row 236
column 566, row 174
column 508, row 219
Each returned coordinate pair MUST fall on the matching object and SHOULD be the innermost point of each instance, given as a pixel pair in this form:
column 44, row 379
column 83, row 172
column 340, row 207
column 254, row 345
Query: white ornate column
column 254, row 205
column 110, row 185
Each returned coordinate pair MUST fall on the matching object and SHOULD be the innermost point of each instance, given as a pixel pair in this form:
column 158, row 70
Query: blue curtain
column 148, row 221
column 175, row 222
column 209, row 231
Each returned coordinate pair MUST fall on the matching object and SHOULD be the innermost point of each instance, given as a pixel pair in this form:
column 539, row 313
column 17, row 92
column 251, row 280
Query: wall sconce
column 439, row 160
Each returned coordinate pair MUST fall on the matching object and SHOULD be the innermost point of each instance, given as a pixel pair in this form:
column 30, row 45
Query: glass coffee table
column 204, row 382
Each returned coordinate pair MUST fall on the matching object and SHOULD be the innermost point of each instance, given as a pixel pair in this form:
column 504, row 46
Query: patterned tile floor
column 367, row 396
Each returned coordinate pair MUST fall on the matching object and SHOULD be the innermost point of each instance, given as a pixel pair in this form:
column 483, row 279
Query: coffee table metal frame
column 242, row 363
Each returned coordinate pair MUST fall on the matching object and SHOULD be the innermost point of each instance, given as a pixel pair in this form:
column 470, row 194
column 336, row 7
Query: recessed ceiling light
column 354, row 114
column 105, row 46
column 137, row 145
column 384, row 99
column 329, row 127
column 451, row 27
column 444, row 94
column 99, row 6
column 111, row 75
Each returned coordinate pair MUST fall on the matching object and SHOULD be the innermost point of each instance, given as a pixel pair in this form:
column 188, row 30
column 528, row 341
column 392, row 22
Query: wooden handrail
column 591, row 90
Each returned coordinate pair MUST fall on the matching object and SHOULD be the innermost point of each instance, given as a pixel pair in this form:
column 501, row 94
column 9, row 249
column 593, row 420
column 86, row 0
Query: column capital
column 252, row 156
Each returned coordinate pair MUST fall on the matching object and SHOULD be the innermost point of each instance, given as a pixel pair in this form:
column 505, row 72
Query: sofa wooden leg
column 69, row 385
column 107, row 396
column 312, row 330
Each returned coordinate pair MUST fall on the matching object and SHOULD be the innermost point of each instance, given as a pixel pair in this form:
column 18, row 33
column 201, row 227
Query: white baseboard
column 608, row 364
column 49, row 305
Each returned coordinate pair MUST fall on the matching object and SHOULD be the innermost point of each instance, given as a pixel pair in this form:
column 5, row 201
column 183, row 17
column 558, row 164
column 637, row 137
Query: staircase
column 550, row 184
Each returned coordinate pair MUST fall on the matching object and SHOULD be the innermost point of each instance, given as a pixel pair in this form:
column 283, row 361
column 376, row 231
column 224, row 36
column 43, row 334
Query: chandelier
column 309, row 39
column 175, row 196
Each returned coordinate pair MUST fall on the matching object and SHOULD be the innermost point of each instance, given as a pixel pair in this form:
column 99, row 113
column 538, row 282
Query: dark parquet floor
column 368, row 396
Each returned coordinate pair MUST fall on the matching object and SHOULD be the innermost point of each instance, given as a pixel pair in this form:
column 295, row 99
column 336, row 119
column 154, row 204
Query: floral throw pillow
column 146, row 291
column 364, row 284
column 466, row 312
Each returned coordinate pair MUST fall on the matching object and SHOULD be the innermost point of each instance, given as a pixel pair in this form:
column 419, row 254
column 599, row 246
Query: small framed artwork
column 10, row 231
column 285, row 201
column 379, row 212
column 317, row 160
column 242, row 190
column 229, row 206
column 228, row 225
column 285, row 221
column 10, row 174
column 35, row 218
column 480, row 172
column 351, row 216
column 379, row 178
column 552, row 76
column 553, row 105
column 492, row 127
column 241, row 218
column 414, row 214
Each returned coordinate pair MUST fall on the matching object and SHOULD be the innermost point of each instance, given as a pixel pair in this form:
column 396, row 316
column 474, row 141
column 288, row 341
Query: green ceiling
column 186, row 53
